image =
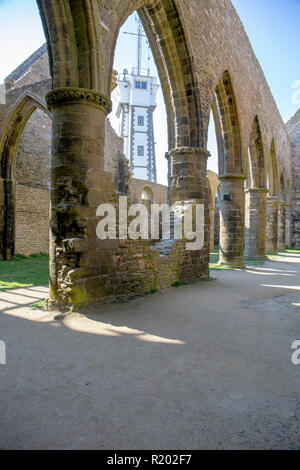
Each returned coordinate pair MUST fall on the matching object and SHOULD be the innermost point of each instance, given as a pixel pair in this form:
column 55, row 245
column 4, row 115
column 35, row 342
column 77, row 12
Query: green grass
column 287, row 250
column 292, row 250
column 41, row 305
column 214, row 260
column 32, row 271
column 24, row 272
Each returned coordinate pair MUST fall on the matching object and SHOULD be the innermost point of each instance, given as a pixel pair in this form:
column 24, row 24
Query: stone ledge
column 232, row 176
column 188, row 151
column 62, row 96
column 257, row 190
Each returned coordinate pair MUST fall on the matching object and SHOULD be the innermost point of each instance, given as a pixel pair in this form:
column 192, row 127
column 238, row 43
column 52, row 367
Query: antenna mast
column 139, row 45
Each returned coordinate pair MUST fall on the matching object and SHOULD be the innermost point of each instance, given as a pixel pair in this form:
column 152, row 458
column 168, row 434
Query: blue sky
column 272, row 26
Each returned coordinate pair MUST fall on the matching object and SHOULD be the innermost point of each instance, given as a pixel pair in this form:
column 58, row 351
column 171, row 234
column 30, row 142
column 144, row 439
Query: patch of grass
column 24, row 271
column 153, row 291
column 216, row 267
column 255, row 262
column 214, row 260
column 41, row 305
column 177, row 284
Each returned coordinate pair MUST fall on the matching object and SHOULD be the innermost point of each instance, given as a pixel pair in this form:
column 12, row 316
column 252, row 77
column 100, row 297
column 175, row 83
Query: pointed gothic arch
column 227, row 127
column 9, row 142
column 272, row 171
column 256, row 157
column 13, row 129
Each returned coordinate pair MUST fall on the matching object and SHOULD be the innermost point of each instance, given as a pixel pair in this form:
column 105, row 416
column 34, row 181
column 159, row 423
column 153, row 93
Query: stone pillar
column 212, row 227
column 7, row 218
column 295, row 221
column 232, row 220
column 217, row 224
column 255, row 223
column 272, row 225
column 78, row 186
column 188, row 182
column 281, row 225
column 288, row 227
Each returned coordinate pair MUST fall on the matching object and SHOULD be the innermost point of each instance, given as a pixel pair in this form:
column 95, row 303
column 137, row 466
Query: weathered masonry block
column 232, row 220
column 272, row 224
column 282, row 225
column 255, row 225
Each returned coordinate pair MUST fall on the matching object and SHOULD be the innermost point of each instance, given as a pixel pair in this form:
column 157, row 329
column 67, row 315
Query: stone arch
column 13, row 129
column 255, row 196
column 217, row 217
column 282, row 190
column 82, row 37
column 172, row 55
column 282, row 213
column 227, row 127
column 231, row 168
column 256, row 157
column 273, row 202
column 9, row 142
column 86, row 61
column 147, row 194
column 211, row 205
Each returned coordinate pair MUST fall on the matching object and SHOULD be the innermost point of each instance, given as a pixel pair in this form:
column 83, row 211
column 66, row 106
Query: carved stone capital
column 232, row 176
column 273, row 200
column 62, row 96
column 189, row 151
column 257, row 190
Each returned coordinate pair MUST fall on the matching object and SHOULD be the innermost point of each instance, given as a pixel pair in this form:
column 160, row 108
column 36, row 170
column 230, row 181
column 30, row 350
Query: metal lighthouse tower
column 134, row 103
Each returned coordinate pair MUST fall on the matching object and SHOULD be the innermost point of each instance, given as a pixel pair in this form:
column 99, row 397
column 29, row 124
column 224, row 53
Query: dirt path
column 200, row 366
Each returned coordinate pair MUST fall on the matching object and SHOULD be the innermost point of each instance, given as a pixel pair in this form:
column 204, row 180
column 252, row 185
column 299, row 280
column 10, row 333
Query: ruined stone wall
column 33, row 70
column 293, row 127
column 32, row 220
column 32, row 175
column 113, row 151
column 136, row 187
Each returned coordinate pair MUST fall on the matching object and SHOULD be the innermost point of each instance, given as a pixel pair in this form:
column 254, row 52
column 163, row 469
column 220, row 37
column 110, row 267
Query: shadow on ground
column 201, row 366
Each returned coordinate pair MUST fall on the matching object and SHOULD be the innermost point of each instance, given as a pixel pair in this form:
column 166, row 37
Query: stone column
column 232, row 220
column 217, row 224
column 188, row 182
column 212, row 227
column 78, row 186
column 288, row 226
column 7, row 218
column 255, row 223
column 281, row 225
column 272, row 225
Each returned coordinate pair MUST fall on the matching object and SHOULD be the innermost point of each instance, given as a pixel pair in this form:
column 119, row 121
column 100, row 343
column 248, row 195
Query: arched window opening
column 227, row 126
column 139, row 113
column 147, row 194
column 282, row 188
column 256, row 160
column 272, row 172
